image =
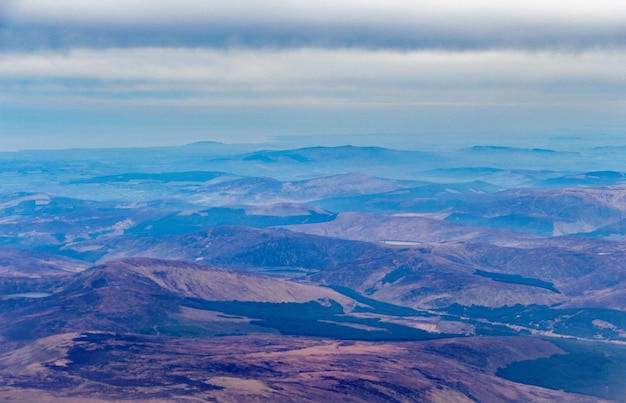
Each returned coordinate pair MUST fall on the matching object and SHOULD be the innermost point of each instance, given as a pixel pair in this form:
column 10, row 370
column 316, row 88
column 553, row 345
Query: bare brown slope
column 135, row 294
column 214, row 284
column 279, row 369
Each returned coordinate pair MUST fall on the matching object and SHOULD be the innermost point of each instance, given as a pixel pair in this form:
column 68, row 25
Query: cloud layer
column 339, row 75
column 294, row 66
column 415, row 24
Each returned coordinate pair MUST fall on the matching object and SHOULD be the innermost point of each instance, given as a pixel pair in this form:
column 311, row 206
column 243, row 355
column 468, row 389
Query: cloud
column 312, row 75
column 320, row 12
column 292, row 66
column 456, row 24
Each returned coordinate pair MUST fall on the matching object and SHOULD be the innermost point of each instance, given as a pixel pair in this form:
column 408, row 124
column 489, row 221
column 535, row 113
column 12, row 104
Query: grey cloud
column 454, row 24
column 320, row 12
column 317, row 76
column 36, row 37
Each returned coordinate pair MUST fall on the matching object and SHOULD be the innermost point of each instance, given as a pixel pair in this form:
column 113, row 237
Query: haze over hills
column 268, row 190
column 534, row 211
column 321, row 271
column 416, row 228
column 25, row 263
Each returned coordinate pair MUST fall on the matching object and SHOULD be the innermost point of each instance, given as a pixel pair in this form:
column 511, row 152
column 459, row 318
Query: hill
column 411, row 228
column 137, row 294
column 104, row 366
column 534, row 211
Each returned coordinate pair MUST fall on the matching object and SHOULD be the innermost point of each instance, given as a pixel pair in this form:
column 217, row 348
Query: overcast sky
column 77, row 73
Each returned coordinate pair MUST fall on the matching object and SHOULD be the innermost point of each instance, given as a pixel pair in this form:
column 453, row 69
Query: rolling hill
column 137, row 294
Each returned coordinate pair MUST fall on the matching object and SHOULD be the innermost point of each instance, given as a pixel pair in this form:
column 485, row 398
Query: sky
column 117, row 73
